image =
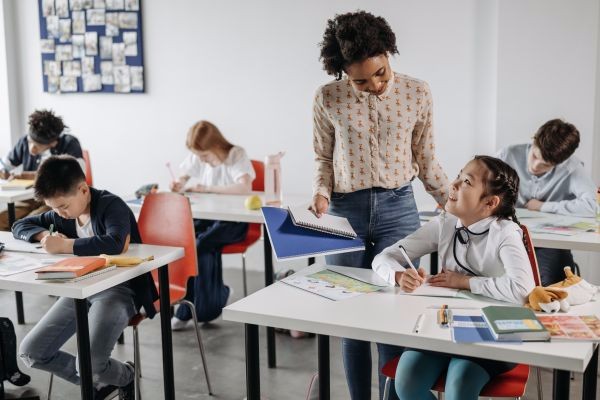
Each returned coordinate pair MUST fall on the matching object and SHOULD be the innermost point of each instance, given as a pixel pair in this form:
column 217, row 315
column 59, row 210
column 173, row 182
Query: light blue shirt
column 565, row 189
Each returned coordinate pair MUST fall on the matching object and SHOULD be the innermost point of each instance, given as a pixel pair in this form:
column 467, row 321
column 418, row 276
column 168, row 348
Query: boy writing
column 46, row 137
column 88, row 222
column 553, row 180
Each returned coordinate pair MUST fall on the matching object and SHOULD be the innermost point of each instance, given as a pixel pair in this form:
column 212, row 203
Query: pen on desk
column 419, row 324
column 403, row 252
column 442, row 316
column 454, row 308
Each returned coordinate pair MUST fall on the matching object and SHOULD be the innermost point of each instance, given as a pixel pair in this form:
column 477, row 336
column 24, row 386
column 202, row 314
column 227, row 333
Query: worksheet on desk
column 11, row 264
column 435, row 291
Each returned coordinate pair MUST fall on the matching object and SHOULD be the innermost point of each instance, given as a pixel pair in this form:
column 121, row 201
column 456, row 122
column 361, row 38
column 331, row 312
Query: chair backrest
column 166, row 219
column 88, row 168
column 531, row 254
column 258, row 184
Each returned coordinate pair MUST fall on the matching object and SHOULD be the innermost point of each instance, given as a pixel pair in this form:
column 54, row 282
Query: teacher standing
column 373, row 134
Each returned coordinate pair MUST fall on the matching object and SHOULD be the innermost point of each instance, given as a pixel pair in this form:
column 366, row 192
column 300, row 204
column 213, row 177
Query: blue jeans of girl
column 380, row 217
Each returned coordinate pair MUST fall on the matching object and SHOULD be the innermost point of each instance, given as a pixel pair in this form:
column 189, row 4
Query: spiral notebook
column 302, row 216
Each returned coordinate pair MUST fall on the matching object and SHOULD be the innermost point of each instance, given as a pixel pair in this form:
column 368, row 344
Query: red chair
column 254, row 230
column 510, row 384
column 88, row 168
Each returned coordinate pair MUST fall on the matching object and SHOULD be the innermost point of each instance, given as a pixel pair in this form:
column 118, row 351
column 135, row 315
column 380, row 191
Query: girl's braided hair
column 501, row 180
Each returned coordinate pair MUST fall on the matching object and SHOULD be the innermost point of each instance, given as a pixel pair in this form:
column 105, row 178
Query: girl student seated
column 480, row 244
column 217, row 166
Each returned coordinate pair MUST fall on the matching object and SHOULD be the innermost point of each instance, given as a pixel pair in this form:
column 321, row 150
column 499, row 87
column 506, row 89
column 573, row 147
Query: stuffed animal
column 571, row 291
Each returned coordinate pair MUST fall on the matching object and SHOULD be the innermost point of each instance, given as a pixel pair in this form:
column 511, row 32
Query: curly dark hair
column 503, row 181
column 57, row 176
column 353, row 37
column 557, row 140
column 45, row 127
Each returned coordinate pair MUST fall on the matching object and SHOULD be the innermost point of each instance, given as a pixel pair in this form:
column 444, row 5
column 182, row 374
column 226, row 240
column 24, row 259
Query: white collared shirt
column 498, row 257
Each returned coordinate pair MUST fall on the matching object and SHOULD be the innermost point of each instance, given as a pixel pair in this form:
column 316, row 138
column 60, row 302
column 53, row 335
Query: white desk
column 230, row 207
column 80, row 291
column 10, row 197
column 283, row 306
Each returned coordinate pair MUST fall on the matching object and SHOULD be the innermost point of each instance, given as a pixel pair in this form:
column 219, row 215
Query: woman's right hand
column 176, row 186
column 319, row 205
column 409, row 279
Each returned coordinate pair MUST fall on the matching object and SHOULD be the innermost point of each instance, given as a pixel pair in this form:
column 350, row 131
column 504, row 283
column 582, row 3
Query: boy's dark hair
column 353, row 37
column 58, row 176
column 557, row 140
column 45, row 127
column 503, row 181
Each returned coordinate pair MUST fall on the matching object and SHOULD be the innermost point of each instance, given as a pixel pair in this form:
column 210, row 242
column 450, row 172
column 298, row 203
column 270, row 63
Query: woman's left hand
column 450, row 279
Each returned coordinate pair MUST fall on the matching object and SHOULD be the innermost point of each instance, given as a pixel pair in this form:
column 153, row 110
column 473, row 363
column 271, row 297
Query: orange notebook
column 72, row 267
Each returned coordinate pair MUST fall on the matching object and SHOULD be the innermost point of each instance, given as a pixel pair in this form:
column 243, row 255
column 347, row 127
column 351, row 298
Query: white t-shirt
column 84, row 231
column 236, row 165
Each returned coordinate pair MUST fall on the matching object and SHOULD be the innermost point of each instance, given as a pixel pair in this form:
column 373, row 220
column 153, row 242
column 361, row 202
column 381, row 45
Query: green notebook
column 515, row 324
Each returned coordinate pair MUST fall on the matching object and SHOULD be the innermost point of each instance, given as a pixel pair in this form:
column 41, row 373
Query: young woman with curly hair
column 373, row 134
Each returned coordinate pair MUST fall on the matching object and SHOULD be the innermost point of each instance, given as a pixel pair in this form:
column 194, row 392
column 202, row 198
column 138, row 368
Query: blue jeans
column 109, row 314
column 551, row 263
column 418, row 371
column 380, row 217
column 207, row 290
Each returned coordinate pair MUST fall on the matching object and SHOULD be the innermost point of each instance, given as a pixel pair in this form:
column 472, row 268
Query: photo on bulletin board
column 91, row 46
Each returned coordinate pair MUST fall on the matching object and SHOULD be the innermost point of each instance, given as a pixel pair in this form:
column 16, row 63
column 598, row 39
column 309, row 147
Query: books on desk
column 290, row 241
column 69, row 268
column 17, row 184
column 302, row 216
column 514, row 324
column 564, row 229
column 572, row 327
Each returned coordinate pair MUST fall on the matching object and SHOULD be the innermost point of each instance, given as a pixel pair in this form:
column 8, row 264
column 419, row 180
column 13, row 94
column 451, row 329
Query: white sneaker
column 178, row 325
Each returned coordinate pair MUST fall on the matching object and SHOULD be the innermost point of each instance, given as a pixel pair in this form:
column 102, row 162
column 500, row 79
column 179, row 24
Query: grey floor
column 224, row 341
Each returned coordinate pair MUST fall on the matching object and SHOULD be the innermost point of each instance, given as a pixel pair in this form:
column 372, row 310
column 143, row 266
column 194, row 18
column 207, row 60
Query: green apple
column 253, row 202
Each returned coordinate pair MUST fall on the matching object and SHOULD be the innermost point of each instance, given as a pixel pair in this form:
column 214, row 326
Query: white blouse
column 498, row 258
column 236, row 165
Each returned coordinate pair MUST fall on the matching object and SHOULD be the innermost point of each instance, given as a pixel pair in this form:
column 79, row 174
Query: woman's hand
column 319, row 205
column 176, row 186
column 409, row 279
column 450, row 279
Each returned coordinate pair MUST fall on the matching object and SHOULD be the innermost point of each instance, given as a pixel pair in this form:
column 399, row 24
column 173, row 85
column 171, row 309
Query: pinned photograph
column 106, row 43
column 47, row 46
column 48, row 8
column 78, row 22
column 137, row 78
column 52, row 26
column 76, row 5
column 53, row 82
column 91, row 43
column 118, row 54
column 91, row 83
column 99, row 4
column 112, row 24
column 63, row 52
column 64, row 30
column 52, row 68
column 106, row 70
column 88, row 66
column 87, row 4
column 68, row 84
column 96, row 17
column 62, row 8
column 130, row 40
column 78, row 46
column 115, row 4
column 132, row 5
column 71, row 68
column 122, row 79
column 128, row 20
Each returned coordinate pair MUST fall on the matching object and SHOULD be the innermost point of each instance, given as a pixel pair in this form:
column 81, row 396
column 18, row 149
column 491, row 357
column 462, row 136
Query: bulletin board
column 91, row 46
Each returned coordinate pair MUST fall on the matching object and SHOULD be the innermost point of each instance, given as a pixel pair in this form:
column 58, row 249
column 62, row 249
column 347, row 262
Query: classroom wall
column 497, row 70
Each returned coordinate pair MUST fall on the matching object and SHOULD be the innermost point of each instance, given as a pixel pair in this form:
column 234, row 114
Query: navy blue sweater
column 112, row 222
column 20, row 155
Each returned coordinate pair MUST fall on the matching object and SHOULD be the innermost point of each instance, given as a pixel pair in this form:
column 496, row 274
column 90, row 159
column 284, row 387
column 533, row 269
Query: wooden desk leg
column 252, row 363
column 165, row 330
column 271, row 351
column 560, row 384
column 12, row 217
column 590, row 377
column 323, row 350
column 433, row 263
column 83, row 349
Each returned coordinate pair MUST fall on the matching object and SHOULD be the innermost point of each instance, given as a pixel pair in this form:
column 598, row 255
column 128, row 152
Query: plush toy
column 571, row 291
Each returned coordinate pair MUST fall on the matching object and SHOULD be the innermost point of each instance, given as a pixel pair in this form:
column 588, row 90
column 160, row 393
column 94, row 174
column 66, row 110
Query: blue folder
column 471, row 334
column 290, row 241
